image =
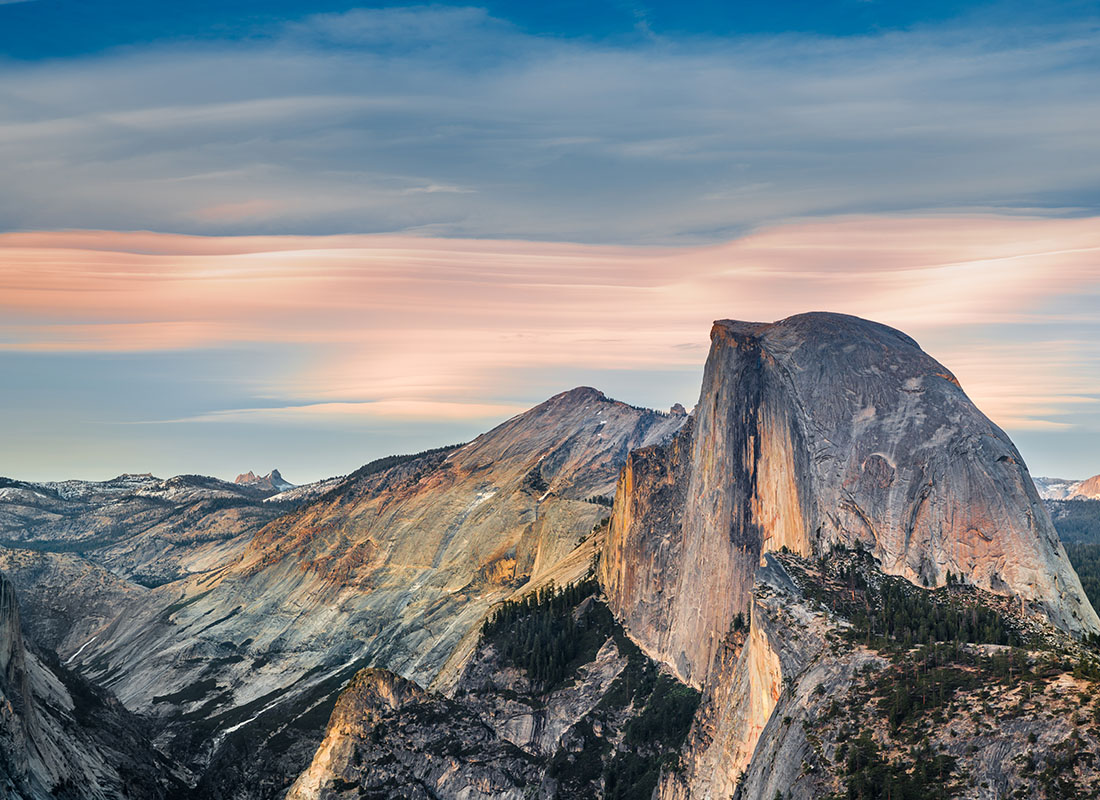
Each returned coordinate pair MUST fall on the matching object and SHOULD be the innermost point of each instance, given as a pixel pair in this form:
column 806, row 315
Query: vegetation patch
column 888, row 612
column 547, row 634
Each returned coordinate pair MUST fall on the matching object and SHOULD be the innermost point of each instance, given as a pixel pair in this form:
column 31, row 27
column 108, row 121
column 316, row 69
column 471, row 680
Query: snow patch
column 69, row 660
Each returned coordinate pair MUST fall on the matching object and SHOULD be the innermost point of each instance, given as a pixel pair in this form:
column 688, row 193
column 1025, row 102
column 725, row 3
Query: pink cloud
column 408, row 320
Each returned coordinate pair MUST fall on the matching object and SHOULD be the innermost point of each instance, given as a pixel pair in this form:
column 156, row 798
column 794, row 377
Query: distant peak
column 272, row 480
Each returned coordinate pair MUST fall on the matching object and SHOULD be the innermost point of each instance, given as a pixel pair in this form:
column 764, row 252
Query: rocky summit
column 272, row 481
column 833, row 578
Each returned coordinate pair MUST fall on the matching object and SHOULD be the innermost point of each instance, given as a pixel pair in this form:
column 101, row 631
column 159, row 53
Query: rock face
column 394, row 566
column 381, row 743
column 817, row 430
column 272, row 481
column 602, row 727
column 834, row 712
column 786, row 637
column 65, row 599
column 61, row 737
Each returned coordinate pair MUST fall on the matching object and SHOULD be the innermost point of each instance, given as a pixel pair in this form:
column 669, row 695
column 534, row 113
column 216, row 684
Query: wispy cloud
column 445, row 120
column 414, row 327
column 396, row 410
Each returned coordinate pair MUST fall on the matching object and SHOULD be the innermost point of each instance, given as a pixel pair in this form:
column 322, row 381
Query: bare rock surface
column 272, row 481
column 65, row 599
column 393, row 566
column 62, row 737
column 816, row 430
column 601, row 726
column 984, row 721
column 388, row 738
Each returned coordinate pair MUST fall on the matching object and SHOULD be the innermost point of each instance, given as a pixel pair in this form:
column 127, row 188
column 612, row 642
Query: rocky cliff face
column 601, row 724
column 387, row 737
column 65, row 599
column 394, row 566
column 61, row 737
column 845, row 713
column 817, row 430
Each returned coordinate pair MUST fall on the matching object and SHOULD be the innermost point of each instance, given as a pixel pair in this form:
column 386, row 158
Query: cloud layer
column 400, row 327
column 451, row 122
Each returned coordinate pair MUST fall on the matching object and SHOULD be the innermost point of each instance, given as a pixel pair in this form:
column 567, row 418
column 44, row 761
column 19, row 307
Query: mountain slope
column 600, row 721
column 60, row 737
column 65, row 599
column 394, row 566
column 1063, row 489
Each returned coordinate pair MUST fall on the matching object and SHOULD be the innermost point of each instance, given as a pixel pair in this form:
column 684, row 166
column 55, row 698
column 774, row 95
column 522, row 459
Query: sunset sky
column 248, row 235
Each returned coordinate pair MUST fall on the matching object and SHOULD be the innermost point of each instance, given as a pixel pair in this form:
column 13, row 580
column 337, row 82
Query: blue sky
column 835, row 140
column 36, row 29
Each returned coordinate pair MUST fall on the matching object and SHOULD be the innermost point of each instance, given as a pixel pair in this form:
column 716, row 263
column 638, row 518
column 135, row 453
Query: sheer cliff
column 817, row 430
column 814, row 433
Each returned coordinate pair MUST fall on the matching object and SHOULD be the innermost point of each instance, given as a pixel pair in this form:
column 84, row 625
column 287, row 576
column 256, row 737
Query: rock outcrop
column 812, row 712
column 817, row 430
column 387, row 737
column 602, row 725
column 272, row 481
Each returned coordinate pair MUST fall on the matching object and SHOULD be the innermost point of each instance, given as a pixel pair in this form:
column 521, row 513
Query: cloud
column 449, row 122
column 344, row 414
column 397, row 326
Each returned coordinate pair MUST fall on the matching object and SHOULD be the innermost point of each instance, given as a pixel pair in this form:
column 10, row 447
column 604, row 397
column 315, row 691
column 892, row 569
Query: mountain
column 1054, row 488
column 139, row 527
column 1063, row 489
column 1088, row 489
column 66, row 599
column 272, row 481
column 818, row 432
column 395, row 566
column 834, row 578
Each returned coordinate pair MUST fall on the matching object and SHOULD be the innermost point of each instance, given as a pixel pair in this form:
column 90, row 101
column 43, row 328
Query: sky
column 245, row 235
